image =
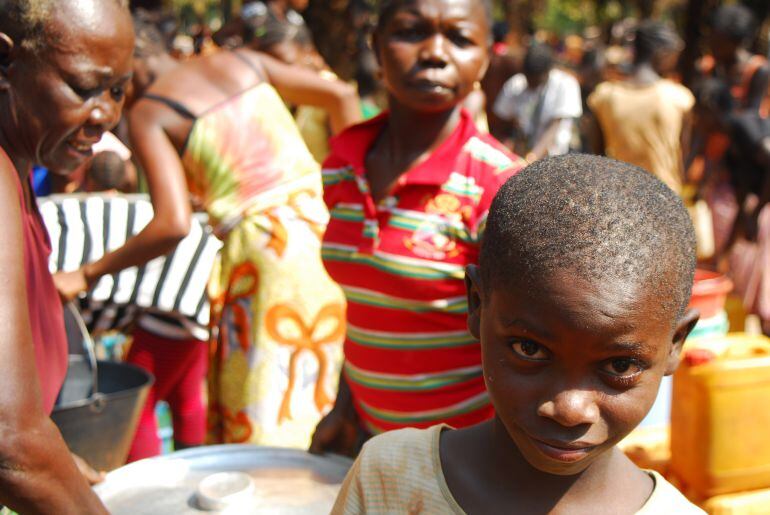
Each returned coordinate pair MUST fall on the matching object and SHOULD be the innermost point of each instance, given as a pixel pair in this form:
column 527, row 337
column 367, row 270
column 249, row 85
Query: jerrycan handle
column 753, row 348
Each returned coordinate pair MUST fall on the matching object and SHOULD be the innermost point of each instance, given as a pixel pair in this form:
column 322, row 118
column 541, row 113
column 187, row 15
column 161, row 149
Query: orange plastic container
column 709, row 293
column 744, row 503
column 720, row 417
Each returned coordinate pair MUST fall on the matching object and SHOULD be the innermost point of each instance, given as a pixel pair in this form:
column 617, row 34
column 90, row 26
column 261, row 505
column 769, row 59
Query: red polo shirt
column 409, row 358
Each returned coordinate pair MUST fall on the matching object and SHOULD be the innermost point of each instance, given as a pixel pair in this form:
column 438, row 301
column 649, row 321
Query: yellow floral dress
column 277, row 318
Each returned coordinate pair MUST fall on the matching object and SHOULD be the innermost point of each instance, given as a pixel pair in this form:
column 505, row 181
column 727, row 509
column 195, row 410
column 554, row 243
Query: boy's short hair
column 593, row 216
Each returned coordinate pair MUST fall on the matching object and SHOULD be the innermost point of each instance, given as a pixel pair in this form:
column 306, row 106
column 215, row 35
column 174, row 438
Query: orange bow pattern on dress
column 236, row 302
column 306, row 340
column 317, row 228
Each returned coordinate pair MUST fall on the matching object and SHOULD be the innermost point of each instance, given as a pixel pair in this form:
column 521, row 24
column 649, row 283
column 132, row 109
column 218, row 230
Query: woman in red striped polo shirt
column 408, row 194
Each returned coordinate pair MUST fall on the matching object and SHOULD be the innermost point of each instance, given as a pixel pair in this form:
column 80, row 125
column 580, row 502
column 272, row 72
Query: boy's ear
column 6, row 57
column 683, row 329
column 473, row 290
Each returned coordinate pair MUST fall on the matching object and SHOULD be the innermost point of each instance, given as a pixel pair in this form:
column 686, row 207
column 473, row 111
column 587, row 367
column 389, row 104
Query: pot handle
column 88, row 344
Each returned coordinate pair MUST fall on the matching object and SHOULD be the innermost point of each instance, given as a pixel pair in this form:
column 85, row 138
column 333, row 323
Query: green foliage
column 572, row 16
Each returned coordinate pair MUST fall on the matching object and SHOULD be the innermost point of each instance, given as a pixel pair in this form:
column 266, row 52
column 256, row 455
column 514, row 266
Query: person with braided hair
column 64, row 66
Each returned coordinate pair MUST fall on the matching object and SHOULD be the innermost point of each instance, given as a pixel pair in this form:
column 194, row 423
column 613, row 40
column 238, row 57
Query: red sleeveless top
column 46, row 315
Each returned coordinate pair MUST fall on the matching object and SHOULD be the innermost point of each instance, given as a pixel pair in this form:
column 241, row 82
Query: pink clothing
column 179, row 367
column 46, row 316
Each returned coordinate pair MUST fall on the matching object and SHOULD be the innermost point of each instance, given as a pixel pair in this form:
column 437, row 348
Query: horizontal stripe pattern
column 409, row 341
column 436, row 415
column 393, row 264
column 410, row 360
column 374, row 298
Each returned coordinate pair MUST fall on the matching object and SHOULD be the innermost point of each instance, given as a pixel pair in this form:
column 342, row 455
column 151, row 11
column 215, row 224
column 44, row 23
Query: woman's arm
column 304, row 87
column 37, row 473
column 168, row 193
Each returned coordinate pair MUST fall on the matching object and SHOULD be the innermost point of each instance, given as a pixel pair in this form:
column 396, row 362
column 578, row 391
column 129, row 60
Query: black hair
column 653, row 37
column 539, row 59
column 500, row 31
column 598, row 218
column 149, row 40
column 25, row 20
column 736, row 22
column 388, row 8
column 714, row 95
column 107, row 171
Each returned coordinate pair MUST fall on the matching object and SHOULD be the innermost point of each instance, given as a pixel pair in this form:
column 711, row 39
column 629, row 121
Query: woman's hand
column 338, row 432
column 70, row 284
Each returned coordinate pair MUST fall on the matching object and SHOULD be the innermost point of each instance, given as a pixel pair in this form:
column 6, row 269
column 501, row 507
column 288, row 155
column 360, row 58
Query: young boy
column 579, row 302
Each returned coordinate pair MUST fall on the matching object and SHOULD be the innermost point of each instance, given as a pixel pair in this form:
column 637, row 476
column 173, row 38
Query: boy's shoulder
column 666, row 498
column 398, row 472
column 396, row 451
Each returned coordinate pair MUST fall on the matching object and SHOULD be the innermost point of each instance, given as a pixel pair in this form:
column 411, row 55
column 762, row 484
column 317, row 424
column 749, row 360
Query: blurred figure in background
column 255, row 16
column 503, row 65
column 542, row 103
column 646, row 120
column 733, row 30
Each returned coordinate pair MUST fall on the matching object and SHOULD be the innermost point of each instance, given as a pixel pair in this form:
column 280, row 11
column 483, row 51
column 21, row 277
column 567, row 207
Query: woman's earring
column 477, row 86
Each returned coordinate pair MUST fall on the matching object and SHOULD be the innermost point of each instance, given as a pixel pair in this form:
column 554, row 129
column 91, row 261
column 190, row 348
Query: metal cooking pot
column 284, row 481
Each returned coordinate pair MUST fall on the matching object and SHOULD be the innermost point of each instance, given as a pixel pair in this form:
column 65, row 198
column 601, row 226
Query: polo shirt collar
column 353, row 145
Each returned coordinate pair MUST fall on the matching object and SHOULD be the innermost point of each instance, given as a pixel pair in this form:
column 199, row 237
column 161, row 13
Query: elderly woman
column 63, row 68
column 216, row 128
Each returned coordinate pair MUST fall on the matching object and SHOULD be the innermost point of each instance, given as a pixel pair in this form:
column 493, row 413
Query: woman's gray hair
column 25, row 20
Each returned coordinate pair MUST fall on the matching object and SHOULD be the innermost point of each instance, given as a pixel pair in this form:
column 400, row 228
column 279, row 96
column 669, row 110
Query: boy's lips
column 568, row 452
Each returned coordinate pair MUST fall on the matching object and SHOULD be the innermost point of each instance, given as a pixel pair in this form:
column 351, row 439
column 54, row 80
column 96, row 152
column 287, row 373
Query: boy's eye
column 529, row 350
column 622, row 367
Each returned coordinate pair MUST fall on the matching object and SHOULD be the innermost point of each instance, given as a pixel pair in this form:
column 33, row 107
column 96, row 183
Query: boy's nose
column 571, row 408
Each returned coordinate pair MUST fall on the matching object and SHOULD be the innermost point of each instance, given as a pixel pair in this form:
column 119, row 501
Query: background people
column 542, row 103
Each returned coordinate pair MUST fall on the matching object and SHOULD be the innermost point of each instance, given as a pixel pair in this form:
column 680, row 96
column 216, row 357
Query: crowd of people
column 417, row 251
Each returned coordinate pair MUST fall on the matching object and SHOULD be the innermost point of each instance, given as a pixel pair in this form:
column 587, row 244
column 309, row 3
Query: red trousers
column 179, row 367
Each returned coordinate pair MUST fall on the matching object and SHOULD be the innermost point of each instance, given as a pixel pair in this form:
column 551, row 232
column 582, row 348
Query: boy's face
column 572, row 366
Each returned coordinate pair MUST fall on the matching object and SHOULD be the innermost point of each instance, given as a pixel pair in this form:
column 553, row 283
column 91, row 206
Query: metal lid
column 285, row 481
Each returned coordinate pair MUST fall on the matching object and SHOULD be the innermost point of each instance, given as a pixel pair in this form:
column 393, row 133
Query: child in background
column 408, row 193
column 580, row 304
